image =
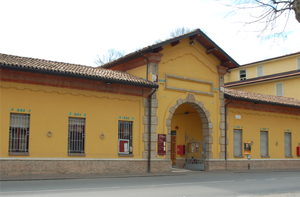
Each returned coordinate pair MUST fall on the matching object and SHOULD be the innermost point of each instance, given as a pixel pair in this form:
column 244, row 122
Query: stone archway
column 205, row 118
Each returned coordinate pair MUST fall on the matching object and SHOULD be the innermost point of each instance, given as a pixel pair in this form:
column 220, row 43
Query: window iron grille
column 125, row 132
column 76, row 135
column 19, row 133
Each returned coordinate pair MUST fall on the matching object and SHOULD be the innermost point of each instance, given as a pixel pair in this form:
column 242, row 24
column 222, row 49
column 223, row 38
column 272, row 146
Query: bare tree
column 157, row 41
column 271, row 12
column 112, row 54
column 179, row 31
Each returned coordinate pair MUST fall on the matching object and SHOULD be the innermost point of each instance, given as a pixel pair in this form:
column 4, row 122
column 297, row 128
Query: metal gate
column 194, row 153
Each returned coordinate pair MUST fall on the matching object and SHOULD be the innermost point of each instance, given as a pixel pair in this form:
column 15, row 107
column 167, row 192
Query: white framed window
column 279, row 89
column 76, row 135
column 264, row 151
column 287, row 144
column 260, row 71
column 19, row 133
column 243, row 74
column 125, row 137
column 298, row 63
column 237, row 142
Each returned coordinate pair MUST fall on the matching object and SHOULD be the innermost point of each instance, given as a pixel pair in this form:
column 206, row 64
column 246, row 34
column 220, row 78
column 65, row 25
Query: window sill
column 18, row 154
column 265, row 156
column 126, row 155
column 77, row 154
column 238, row 156
column 288, row 156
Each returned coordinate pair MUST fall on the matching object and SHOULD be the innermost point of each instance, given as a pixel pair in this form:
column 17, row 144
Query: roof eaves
column 270, row 59
column 180, row 37
column 228, row 96
column 151, row 48
column 263, row 78
column 75, row 75
column 213, row 43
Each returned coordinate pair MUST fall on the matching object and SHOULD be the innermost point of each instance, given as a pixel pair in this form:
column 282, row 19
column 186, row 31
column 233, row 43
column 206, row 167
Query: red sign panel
column 124, row 146
column 180, row 149
column 161, row 144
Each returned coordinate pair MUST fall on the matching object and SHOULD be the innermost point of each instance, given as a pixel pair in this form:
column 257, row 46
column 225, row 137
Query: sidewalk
column 174, row 172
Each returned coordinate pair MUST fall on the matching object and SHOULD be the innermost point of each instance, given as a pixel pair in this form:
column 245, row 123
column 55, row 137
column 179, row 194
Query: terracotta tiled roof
column 66, row 68
column 203, row 40
column 261, row 97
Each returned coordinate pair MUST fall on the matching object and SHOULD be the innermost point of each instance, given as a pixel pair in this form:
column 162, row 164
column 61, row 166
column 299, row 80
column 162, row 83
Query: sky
column 76, row 31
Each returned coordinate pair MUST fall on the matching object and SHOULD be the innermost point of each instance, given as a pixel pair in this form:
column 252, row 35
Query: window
column 243, row 75
column 76, row 135
column 287, row 144
column 298, row 61
column 19, row 133
column 260, row 71
column 237, row 142
column 264, row 143
column 279, row 89
column 125, row 137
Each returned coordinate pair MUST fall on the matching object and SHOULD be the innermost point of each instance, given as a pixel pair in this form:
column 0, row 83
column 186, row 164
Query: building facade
column 162, row 106
column 275, row 144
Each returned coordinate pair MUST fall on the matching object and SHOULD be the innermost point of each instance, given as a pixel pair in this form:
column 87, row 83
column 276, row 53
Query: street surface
column 252, row 183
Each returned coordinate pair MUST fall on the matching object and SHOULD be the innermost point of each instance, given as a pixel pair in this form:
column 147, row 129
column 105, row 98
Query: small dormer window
column 260, row 71
column 243, row 75
column 279, row 89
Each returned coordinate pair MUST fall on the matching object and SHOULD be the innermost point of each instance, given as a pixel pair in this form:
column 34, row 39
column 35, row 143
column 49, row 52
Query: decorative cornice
column 39, row 88
column 260, row 113
column 222, row 70
column 191, row 80
column 186, row 54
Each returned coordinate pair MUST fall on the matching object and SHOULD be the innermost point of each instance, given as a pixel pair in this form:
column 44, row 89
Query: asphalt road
column 182, row 185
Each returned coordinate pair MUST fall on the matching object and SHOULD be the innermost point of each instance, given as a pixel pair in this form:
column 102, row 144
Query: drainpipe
column 226, row 132
column 149, row 119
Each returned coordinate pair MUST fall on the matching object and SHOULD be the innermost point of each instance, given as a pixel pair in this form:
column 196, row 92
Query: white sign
column 238, row 117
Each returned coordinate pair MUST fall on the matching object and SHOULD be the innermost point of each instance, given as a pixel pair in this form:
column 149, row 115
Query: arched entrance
column 189, row 124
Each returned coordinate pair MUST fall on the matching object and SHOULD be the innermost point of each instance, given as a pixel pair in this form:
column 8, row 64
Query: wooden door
column 173, row 149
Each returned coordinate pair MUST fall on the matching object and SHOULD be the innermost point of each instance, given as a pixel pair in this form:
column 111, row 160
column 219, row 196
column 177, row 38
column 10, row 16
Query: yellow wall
column 269, row 67
column 275, row 124
column 291, row 87
column 192, row 62
column 49, row 111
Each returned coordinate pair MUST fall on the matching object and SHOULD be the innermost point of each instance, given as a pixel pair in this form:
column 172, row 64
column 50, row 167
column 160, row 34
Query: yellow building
column 279, row 78
column 160, row 106
column 276, row 76
column 270, row 124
